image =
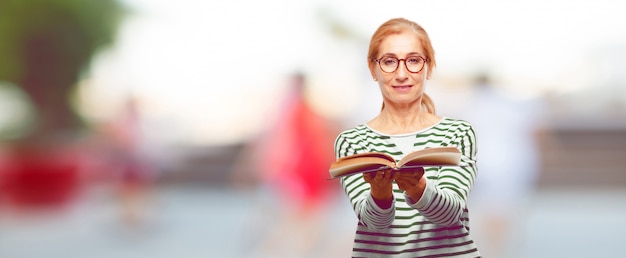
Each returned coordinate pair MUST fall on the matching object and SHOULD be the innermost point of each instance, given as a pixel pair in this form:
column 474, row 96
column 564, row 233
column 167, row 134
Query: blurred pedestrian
column 508, row 127
column 135, row 171
column 291, row 159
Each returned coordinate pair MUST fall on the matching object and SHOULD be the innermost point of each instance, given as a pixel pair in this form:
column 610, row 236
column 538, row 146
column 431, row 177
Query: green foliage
column 78, row 28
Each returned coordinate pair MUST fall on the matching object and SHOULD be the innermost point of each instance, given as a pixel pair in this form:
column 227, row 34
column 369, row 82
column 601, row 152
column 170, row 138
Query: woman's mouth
column 402, row 88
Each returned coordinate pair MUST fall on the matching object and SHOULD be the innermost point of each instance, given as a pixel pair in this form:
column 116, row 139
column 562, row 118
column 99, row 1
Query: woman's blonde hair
column 397, row 26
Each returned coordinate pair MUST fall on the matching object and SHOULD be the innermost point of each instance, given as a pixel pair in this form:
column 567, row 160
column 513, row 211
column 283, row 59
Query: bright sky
column 212, row 72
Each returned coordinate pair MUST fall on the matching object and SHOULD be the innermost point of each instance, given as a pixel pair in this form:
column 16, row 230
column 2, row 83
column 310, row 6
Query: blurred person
column 291, row 160
column 410, row 213
column 509, row 166
column 136, row 172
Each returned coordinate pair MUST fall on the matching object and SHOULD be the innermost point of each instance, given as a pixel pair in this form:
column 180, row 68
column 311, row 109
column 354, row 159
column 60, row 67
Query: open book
column 374, row 161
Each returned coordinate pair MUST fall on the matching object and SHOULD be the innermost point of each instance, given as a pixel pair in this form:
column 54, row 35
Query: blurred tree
column 45, row 46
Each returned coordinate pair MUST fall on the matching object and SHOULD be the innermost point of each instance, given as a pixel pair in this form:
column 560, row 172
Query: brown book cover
column 374, row 161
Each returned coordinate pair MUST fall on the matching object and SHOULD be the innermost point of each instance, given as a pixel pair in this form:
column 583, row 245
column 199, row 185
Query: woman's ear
column 373, row 72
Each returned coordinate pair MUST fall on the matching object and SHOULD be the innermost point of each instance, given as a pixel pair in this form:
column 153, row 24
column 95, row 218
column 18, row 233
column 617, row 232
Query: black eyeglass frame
column 425, row 59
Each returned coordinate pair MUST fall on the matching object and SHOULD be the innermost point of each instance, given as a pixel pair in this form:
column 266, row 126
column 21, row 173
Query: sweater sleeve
column 445, row 197
column 367, row 211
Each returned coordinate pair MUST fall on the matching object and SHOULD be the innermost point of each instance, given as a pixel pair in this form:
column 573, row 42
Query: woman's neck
column 396, row 120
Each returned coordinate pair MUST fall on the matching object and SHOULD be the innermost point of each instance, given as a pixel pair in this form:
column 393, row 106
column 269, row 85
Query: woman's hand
column 412, row 182
column 381, row 185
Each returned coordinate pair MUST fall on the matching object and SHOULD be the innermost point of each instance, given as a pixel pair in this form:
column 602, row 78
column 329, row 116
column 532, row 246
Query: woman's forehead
column 401, row 44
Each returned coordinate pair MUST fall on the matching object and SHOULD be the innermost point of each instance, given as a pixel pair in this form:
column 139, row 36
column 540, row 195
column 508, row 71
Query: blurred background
column 147, row 128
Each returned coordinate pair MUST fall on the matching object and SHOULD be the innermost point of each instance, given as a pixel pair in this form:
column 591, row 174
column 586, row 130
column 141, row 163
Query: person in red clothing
column 135, row 171
column 291, row 159
column 295, row 157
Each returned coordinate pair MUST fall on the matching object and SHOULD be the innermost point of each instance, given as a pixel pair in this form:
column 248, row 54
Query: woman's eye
column 413, row 60
column 389, row 61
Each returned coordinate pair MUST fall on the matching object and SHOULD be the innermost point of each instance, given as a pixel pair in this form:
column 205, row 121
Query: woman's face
column 401, row 86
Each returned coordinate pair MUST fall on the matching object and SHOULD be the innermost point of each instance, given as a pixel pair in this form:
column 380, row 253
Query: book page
column 356, row 169
column 367, row 154
column 438, row 156
column 360, row 163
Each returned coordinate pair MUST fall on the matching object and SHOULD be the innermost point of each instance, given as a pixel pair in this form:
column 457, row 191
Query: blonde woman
column 418, row 213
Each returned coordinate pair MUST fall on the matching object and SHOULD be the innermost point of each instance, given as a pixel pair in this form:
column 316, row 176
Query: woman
column 418, row 213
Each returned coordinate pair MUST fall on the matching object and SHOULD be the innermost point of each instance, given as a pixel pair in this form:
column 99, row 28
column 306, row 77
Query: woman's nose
column 402, row 71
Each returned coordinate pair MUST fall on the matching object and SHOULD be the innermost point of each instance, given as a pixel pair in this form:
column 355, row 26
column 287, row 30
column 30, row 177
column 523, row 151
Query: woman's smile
column 402, row 88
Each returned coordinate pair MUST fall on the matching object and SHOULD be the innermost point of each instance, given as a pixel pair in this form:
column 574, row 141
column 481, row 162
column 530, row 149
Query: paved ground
column 208, row 222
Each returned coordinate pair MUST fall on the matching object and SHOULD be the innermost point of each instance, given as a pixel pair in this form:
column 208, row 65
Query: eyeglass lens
column 390, row 64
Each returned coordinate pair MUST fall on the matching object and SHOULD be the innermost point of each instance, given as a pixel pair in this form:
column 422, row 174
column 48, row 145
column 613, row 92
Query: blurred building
column 586, row 145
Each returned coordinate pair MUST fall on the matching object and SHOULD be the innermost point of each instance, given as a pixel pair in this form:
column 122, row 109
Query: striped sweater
column 436, row 225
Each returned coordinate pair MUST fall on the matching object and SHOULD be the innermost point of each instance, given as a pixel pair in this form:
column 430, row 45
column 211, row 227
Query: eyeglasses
column 390, row 64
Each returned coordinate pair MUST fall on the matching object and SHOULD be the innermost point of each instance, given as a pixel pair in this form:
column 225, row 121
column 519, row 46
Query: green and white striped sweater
column 437, row 225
